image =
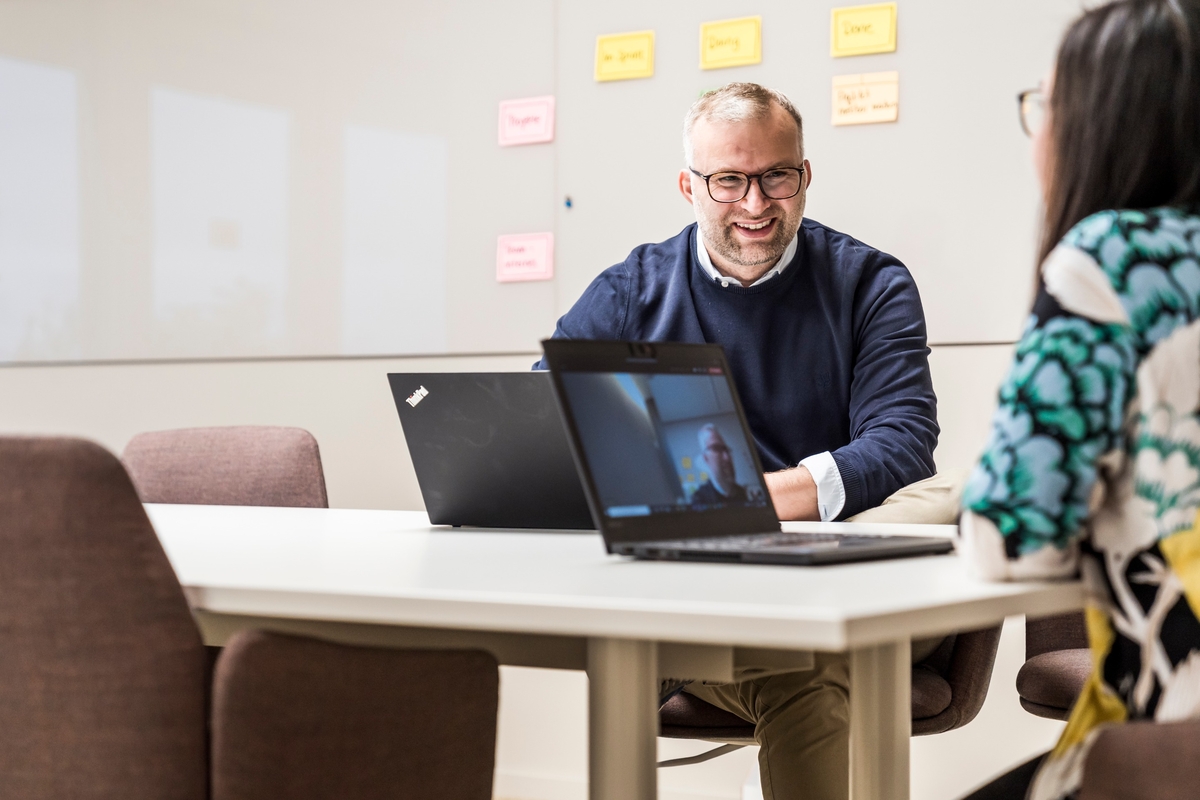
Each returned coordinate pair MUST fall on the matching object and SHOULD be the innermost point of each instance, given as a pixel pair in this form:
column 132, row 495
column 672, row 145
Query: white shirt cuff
column 831, row 494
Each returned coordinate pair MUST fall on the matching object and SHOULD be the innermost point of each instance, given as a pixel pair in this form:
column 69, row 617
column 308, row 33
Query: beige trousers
column 801, row 724
column 802, row 719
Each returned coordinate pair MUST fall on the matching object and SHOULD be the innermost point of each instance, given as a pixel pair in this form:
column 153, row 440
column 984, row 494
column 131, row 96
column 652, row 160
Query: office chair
column 246, row 465
column 102, row 682
column 948, row 689
column 297, row 717
column 1057, row 663
column 1144, row 761
column 229, row 466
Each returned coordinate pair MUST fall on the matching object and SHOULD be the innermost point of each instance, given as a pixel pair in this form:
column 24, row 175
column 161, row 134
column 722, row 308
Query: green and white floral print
column 1094, row 464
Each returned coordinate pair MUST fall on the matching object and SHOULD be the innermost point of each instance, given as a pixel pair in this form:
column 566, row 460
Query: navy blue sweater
column 829, row 355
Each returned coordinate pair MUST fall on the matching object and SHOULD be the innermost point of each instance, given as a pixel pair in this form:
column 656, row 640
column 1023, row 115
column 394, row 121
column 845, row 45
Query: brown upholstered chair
column 241, row 465
column 1057, row 663
column 297, row 717
column 234, row 466
column 948, row 689
column 1144, row 761
column 101, row 667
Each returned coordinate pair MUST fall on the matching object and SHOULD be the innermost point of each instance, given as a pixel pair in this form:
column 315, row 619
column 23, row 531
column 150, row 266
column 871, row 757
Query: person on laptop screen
column 722, row 486
column 825, row 338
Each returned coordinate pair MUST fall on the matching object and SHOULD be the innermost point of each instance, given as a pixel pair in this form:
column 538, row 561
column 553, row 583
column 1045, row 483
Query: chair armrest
column 969, row 675
column 971, row 670
column 1144, row 761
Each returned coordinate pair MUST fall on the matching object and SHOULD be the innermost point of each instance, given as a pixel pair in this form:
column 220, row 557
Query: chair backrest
column 299, row 717
column 101, row 667
column 1060, row 632
column 233, row 466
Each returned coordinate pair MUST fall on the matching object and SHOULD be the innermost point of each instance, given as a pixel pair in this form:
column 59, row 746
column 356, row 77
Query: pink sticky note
column 525, row 257
column 527, row 121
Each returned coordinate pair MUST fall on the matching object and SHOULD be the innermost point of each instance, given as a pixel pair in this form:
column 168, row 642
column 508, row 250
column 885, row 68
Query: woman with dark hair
column 1093, row 464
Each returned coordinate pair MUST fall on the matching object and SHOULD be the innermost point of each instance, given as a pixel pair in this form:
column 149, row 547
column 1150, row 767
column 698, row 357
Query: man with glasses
column 825, row 338
column 720, row 486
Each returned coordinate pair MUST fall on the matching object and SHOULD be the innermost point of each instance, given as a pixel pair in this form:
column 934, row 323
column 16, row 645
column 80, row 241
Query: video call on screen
column 662, row 443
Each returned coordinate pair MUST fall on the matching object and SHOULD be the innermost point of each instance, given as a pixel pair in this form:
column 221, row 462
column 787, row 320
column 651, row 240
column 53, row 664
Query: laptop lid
column 490, row 450
column 660, row 439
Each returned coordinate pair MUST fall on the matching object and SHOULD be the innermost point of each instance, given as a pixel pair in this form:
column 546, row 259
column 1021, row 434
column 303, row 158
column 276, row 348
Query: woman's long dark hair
column 1124, row 113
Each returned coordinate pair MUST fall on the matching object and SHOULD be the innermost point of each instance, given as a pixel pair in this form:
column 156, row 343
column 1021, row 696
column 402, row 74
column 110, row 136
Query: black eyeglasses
column 775, row 184
column 1031, row 104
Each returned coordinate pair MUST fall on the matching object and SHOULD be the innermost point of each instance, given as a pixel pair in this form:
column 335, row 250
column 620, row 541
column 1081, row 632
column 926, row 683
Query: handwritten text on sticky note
column 862, row 99
column 860, row 30
column 527, row 121
column 621, row 56
column 525, row 257
column 731, row 43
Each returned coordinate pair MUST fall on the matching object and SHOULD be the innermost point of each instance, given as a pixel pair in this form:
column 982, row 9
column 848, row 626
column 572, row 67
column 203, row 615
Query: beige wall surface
column 347, row 405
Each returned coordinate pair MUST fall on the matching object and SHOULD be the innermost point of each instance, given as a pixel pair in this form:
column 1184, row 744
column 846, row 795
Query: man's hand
column 794, row 493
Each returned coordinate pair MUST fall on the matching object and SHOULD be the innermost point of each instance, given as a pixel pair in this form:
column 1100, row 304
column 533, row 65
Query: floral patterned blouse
column 1094, row 465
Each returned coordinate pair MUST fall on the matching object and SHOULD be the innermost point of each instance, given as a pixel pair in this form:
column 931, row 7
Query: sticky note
column 525, row 257
column 731, row 43
column 859, row 30
column 527, row 121
column 862, row 99
column 621, row 56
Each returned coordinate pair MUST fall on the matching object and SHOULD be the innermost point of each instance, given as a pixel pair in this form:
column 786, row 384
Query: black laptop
column 669, row 466
column 490, row 450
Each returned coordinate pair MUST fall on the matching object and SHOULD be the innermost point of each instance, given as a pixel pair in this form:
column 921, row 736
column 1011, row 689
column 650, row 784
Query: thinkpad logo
column 417, row 396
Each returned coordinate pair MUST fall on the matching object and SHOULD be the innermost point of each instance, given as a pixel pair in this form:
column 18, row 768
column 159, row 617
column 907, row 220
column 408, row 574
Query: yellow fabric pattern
column 1096, row 704
column 1182, row 551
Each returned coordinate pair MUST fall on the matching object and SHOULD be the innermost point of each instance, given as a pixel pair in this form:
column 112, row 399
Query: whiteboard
column 229, row 179
column 232, row 179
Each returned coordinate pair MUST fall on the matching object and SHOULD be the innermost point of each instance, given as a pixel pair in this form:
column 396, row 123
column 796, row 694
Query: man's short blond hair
column 737, row 102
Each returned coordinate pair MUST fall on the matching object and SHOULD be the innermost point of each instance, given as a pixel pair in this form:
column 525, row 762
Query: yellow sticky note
column 859, row 30
column 731, row 43
column 863, row 99
column 621, row 56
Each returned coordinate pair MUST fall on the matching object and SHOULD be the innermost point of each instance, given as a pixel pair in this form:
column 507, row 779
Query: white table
column 557, row 600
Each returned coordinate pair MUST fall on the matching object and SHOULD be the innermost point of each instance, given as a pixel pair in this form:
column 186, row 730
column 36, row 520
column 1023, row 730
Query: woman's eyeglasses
column 1032, row 106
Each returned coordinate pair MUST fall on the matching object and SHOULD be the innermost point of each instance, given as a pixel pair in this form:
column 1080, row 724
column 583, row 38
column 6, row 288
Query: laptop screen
column 663, row 444
column 660, row 440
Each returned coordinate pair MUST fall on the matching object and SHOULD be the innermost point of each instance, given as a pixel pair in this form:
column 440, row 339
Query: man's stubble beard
column 752, row 255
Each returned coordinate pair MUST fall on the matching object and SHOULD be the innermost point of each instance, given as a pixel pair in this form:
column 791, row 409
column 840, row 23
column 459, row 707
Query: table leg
column 880, row 721
column 622, row 719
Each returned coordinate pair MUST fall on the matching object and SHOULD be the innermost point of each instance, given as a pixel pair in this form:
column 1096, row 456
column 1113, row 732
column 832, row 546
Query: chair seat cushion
column 931, row 694
column 1054, row 679
column 687, row 711
column 685, row 716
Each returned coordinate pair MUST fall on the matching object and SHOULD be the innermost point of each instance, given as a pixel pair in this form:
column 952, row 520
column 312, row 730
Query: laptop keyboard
column 754, row 541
